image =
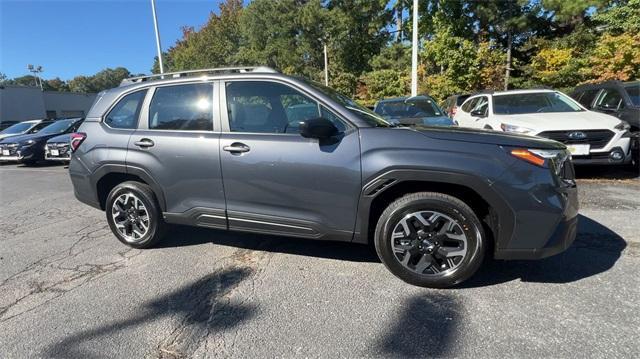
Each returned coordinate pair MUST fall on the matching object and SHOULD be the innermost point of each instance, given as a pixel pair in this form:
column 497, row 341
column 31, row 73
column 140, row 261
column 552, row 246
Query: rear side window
column 586, row 99
column 461, row 99
column 40, row 126
column 182, row 108
column 125, row 113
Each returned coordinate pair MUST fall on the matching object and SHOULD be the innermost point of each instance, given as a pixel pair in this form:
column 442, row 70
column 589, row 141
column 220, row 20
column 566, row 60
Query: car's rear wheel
column 430, row 240
column 134, row 215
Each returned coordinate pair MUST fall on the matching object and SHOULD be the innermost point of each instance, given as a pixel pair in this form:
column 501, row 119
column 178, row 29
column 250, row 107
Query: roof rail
column 187, row 73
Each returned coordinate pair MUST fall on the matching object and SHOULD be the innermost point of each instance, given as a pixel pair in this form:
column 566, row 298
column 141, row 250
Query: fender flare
column 381, row 183
column 107, row 169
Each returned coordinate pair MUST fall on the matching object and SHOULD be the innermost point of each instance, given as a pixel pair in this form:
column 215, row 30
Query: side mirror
column 317, row 128
column 478, row 113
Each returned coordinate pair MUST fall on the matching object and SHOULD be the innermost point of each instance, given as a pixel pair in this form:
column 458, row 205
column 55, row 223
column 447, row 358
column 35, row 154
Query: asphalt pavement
column 69, row 289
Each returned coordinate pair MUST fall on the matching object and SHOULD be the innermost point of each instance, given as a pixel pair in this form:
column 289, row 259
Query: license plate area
column 6, row 153
column 55, row 152
column 579, row 150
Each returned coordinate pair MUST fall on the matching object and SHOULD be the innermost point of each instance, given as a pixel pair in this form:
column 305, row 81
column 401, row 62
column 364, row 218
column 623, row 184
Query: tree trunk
column 399, row 9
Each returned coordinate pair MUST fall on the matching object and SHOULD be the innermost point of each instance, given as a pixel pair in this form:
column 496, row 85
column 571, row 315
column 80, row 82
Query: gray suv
column 249, row 149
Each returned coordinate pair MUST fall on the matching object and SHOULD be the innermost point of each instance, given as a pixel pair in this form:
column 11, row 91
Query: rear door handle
column 237, row 147
column 144, row 142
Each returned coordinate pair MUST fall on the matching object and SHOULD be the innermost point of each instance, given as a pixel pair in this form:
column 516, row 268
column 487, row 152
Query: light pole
column 155, row 26
column 326, row 66
column 35, row 70
column 414, row 51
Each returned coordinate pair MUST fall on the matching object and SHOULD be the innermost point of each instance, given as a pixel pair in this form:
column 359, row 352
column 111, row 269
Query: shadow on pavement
column 595, row 250
column 426, row 327
column 187, row 236
column 607, row 172
column 199, row 303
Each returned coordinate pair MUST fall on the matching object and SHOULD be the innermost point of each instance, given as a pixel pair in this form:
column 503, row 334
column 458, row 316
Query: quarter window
column 125, row 113
column 269, row 107
column 182, row 108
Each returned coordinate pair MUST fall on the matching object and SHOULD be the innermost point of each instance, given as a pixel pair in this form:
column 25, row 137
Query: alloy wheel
column 429, row 243
column 130, row 217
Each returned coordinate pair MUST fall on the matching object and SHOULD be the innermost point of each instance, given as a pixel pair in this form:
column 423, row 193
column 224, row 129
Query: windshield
column 362, row 112
column 634, row 93
column 57, row 127
column 17, row 128
column 540, row 102
column 409, row 108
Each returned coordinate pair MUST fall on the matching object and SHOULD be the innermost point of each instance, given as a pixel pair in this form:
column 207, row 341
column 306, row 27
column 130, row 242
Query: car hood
column 32, row 136
column 6, row 135
column 561, row 121
column 60, row 138
column 488, row 136
column 429, row 121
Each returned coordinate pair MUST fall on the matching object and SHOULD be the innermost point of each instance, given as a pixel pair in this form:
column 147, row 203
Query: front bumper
column 605, row 158
column 545, row 206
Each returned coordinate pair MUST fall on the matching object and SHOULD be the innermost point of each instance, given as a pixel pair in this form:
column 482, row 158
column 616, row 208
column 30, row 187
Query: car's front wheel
column 134, row 215
column 430, row 240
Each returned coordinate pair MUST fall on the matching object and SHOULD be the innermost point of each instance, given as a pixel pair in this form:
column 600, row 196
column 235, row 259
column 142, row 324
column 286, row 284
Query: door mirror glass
column 320, row 128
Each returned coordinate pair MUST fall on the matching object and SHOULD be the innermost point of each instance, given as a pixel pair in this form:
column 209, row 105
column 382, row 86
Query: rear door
column 277, row 181
column 176, row 144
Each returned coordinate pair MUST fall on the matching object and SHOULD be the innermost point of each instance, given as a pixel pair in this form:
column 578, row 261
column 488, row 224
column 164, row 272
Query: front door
column 176, row 145
column 275, row 180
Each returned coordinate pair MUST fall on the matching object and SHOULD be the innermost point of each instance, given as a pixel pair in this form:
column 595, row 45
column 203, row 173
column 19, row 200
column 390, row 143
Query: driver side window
column 269, row 107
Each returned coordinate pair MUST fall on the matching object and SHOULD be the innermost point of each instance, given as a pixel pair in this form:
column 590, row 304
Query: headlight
column 513, row 128
column 538, row 157
column 623, row 126
column 28, row 142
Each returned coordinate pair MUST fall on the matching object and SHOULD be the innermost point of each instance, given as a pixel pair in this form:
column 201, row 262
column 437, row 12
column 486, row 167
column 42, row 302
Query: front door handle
column 144, row 142
column 237, row 147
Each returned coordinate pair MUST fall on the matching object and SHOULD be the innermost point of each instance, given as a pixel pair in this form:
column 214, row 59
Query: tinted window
column 482, row 105
column 634, row 93
column 182, row 107
column 18, row 128
column 461, row 99
column 533, row 103
column 609, row 99
column 57, row 127
column 469, row 105
column 408, row 108
column 40, row 126
column 586, row 99
column 125, row 113
column 269, row 107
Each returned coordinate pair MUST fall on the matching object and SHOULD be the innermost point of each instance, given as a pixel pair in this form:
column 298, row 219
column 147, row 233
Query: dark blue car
column 30, row 148
column 411, row 111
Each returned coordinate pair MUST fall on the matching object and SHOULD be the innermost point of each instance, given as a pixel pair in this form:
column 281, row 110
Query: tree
column 55, row 84
column 615, row 58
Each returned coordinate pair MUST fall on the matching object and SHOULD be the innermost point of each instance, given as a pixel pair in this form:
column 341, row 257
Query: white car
column 592, row 137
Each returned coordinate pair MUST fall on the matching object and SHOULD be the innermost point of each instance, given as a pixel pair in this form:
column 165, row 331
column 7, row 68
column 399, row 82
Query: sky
column 82, row 37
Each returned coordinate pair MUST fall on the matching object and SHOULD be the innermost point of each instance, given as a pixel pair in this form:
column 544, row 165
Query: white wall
column 19, row 103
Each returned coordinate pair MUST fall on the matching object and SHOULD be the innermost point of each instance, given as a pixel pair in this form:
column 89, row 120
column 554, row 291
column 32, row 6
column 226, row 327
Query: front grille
column 12, row 147
column 596, row 138
column 62, row 147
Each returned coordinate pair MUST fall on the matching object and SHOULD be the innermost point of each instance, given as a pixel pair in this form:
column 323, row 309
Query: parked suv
column 591, row 137
column 620, row 99
column 219, row 149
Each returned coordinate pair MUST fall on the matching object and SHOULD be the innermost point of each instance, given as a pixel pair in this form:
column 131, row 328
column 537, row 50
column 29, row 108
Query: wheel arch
column 383, row 189
column 109, row 176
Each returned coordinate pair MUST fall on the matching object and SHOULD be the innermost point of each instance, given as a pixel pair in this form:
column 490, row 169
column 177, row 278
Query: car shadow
column 426, row 327
column 180, row 236
column 595, row 250
column 200, row 304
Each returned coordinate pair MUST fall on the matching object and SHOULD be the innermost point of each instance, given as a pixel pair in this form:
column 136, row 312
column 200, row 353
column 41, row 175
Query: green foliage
column 387, row 83
column 615, row 58
column 620, row 19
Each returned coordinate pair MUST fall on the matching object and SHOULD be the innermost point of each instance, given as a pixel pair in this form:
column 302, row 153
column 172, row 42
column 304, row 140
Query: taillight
column 76, row 140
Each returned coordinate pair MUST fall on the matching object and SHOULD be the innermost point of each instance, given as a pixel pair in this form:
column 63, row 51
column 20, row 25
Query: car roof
column 404, row 98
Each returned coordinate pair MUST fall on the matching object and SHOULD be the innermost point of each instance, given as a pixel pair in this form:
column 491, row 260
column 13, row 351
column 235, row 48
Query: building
column 20, row 103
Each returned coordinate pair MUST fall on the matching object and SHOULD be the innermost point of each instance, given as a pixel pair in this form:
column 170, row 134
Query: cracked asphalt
column 69, row 289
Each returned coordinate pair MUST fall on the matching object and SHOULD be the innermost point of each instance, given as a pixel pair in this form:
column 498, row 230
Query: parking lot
column 70, row 289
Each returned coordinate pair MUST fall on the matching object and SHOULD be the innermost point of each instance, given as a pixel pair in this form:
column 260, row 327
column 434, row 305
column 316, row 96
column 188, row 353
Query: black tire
column 466, row 221
column 156, row 226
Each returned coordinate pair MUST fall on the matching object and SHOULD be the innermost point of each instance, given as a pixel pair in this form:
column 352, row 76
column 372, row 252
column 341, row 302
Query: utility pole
column 414, row 51
column 155, row 26
column 326, row 66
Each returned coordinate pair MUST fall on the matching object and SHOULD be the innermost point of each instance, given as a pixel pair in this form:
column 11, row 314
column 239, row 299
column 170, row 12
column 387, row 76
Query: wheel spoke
column 423, row 263
column 130, row 216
